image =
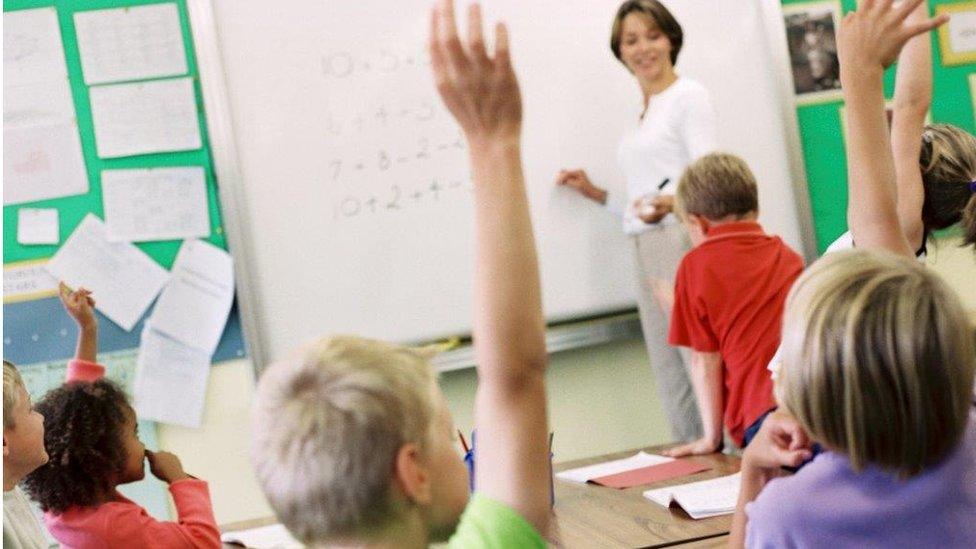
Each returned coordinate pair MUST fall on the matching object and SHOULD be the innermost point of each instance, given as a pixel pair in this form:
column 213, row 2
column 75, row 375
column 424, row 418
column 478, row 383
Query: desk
column 594, row 516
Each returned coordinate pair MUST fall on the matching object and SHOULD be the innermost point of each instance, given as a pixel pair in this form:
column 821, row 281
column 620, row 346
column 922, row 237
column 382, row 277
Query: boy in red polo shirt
column 728, row 302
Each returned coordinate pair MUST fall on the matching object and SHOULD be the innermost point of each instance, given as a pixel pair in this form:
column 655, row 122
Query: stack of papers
column 708, row 498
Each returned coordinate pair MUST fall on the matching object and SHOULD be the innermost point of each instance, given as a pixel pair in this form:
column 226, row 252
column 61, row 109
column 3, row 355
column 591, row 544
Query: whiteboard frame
column 227, row 167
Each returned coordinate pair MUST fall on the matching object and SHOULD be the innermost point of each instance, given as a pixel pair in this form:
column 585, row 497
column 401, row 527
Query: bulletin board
column 821, row 132
column 37, row 334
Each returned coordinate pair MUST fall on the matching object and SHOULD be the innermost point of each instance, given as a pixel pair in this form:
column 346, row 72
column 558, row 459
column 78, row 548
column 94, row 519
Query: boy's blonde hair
column 878, row 360
column 717, row 186
column 326, row 431
column 11, row 395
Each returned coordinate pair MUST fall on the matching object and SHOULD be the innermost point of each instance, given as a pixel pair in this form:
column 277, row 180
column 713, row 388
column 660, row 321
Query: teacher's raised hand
column 480, row 91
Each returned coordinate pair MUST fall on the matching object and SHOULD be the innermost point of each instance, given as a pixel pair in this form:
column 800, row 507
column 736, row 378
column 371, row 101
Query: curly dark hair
column 83, row 424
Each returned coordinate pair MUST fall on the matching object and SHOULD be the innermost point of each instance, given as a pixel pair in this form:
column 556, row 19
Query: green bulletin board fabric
column 73, row 209
column 823, row 142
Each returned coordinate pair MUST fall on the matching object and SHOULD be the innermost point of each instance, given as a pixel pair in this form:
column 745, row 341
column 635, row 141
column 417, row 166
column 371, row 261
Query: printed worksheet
column 171, row 380
column 155, row 204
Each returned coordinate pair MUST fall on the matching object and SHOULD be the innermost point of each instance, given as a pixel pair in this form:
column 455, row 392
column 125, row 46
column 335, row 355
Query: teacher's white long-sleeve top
column 677, row 128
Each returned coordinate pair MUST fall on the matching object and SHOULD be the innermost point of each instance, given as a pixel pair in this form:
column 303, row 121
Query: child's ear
column 412, row 474
column 6, row 449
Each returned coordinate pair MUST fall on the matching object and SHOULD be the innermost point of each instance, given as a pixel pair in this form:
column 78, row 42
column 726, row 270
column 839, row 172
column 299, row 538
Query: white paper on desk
column 171, row 380
column 638, row 460
column 145, row 117
column 123, row 280
column 38, row 226
column 32, row 47
column 194, row 306
column 131, row 43
column 155, row 204
column 275, row 536
column 41, row 162
column 703, row 499
column 962, row 31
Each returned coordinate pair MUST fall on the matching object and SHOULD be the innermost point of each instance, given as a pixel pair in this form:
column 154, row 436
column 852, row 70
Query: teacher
column 676, row 126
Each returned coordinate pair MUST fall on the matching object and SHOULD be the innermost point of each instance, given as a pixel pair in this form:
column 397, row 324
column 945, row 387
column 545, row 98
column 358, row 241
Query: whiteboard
column 351, row 199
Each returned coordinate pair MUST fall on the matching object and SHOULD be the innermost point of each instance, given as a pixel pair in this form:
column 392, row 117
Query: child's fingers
column 925, row 26
column 457, row 61
column 905, row 9
column 502, row 58
column 476, row 37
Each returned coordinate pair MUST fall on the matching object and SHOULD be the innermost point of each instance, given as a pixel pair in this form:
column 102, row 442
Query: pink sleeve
column 82, row 370
column 195, row 528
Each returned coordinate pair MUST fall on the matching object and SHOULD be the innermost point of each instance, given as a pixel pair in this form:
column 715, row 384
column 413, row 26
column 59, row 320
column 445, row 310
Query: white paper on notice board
column 32, row 47
column 131, row 43
column 41, row 162
column 145, row 117
column 155, row 204
column 171, row 380
column 193, row 307
column 38, row 104
column 37, row 226
column 122, row 278
column 962, row 31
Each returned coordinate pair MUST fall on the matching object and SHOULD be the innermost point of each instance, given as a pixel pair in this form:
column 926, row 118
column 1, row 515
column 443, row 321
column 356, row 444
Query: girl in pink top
column 92, row 438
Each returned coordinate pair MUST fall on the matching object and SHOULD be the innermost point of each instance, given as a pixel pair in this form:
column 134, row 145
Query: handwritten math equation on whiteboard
column 392, row 147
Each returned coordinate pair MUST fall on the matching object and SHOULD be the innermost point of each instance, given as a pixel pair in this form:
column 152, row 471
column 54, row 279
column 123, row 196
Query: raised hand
column 79, row 304
column 480, row 91
column 872, row 36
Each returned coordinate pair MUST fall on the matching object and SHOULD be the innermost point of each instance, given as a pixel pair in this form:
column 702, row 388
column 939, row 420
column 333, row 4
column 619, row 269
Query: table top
column 595, row 516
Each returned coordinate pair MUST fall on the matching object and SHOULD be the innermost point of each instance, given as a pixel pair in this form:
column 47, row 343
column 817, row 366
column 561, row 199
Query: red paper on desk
column 651, row 474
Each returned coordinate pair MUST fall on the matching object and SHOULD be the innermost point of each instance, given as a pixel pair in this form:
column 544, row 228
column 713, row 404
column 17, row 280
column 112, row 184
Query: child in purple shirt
column 878, row 361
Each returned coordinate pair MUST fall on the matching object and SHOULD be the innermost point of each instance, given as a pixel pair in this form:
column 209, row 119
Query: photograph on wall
column 957, row 38
column 811, row 35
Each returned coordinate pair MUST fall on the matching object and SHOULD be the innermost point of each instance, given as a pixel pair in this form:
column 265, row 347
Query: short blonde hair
column 878, row 360
column 11, row 395
column 326, row 431
column 717, row 186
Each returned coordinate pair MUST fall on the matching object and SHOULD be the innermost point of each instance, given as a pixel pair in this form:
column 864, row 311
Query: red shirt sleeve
column 689, row 317
column 195, row 528
column 82, row 370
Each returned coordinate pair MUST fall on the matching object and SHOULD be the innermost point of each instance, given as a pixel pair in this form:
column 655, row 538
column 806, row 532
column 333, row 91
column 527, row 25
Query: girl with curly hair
column 91, row 436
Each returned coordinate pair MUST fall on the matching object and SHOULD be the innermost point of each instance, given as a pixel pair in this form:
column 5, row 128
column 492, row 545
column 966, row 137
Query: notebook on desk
column 708, row 498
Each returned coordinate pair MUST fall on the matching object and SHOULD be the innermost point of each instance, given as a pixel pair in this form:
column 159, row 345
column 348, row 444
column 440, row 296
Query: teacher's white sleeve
column 699, row 125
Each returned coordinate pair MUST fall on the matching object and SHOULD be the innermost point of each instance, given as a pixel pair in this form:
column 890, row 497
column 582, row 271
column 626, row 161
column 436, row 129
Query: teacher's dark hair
column 658, row 14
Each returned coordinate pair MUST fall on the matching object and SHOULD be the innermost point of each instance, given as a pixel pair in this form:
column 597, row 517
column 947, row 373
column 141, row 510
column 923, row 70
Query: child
column 353, row 442
column 878, row 362
column 91, row 436
column 934, row 166
column 728, row 301
column 878, row 368
column 23, row 451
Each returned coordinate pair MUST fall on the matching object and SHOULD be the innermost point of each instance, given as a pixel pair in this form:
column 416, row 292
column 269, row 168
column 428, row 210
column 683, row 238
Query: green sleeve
column 488, row 524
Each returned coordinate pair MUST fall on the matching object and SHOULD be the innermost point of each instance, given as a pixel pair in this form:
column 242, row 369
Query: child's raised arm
column 81, row 307
column 869, row 41
column 913, row 97
column 510, row 409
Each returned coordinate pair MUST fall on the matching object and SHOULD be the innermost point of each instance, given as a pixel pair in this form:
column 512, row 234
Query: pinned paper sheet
column 41, row 149
column 708, row 498
column 171, row 380
column 155, row 204
column 41, row 162
column 38, row 226
column 275, row 536
column 637, row 461
column 194, row 306
column 131, row 43
column 26, row 281
column 146, row 117
column 123, row 280
column 962, row 31
column 32, row 47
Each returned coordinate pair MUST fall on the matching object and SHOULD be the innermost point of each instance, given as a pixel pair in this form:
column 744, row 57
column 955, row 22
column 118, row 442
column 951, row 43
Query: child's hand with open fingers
column 871, row 37
column 80, row 305
column 780, row 442
column 480, row 91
